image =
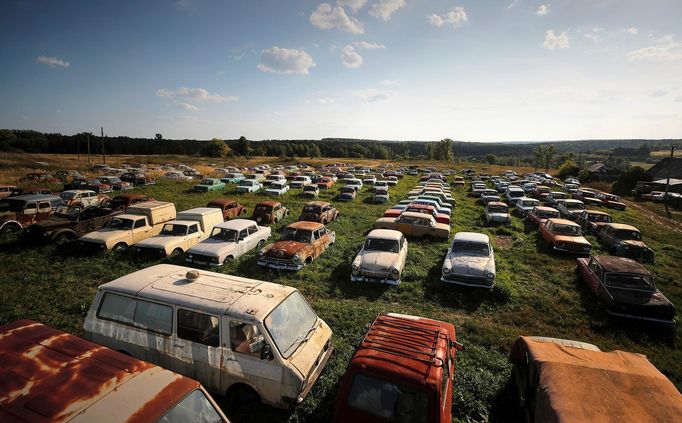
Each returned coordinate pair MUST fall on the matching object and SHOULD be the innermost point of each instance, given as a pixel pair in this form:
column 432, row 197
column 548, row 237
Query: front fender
column 58, row 232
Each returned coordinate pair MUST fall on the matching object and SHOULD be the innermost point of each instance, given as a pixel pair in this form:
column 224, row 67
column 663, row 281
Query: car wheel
column 260, row 244
column 10, row 228
column 275, row 220
column 228, row 260
column 176, row 253
column 121, row 246
column 62, row 239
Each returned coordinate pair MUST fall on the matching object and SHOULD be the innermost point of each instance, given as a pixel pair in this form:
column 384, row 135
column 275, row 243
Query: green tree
column 216, row 148
column 550, row 150
column 568, row 168
column 627, row 180
column 244, row 146
column 490, row 159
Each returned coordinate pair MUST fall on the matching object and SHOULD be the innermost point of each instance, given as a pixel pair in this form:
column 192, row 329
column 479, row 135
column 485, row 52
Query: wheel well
column 238, row 387
column 309, row 259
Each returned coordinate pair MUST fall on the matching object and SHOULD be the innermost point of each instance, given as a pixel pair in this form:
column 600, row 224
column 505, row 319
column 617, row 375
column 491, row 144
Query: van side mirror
column 266, row 352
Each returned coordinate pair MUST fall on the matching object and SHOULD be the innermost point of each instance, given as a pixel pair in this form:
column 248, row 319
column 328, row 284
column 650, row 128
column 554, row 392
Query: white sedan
column 470, row 261
column 277, row 188
column 228, row 241
column 381, row 258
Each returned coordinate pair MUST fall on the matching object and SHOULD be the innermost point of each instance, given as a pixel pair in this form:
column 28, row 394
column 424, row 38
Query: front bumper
column 571, row 249
column 151, row 251
column 375, row 279
column 468, row 280
column 92, row 247
column 280, row 265
column 201, row 260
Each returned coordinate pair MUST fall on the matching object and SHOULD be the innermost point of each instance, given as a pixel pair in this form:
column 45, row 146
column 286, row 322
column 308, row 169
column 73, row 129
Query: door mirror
column 266, row 352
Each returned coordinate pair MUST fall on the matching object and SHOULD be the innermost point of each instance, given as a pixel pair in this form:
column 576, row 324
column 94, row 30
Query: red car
column 402, row 371
column 540, row 214
column 611, row 201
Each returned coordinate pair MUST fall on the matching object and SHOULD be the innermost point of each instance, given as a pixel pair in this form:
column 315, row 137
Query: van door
column 140, row 230
column 243, row 363
column 196, row 350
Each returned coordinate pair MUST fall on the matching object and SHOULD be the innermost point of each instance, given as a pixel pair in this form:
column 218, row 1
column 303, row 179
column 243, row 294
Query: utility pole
column 667, row 184
column 104, row 157
column 78, row 147
column 88, row 140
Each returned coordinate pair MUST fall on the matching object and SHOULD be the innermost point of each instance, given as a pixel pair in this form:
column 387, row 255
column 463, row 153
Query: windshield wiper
column 300, row 339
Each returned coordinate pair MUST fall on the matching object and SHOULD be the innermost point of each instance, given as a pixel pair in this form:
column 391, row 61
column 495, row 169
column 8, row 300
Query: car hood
column 212, row 247
column 634, row 244
column 377, row 260
column 571, row 239
column 642, row 303
column 470, row 265
column 161, row 241
column 285, row 249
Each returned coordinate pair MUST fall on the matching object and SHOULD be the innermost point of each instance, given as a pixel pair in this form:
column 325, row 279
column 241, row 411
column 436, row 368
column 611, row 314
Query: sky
column 477, row 70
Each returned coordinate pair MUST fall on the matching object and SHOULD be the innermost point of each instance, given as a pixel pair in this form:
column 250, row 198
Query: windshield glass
column 497, row 209
column 289, row 323
column 118, row 223
column 298, row 235
column 378, row 244
column 207, row 182
column 310, row 188
column 263, row 208
column 600, row 218
column 311, row 209
column 246, row 183
column 195, row 408
column 173, row 229
column 629, row 281
column 223, row 234
column 567, row 230
column 67, row 195
column 347, row 190
column 574, row 206
column 628, row 235
column 546, row 213
column 471, row 248
column 388, row 401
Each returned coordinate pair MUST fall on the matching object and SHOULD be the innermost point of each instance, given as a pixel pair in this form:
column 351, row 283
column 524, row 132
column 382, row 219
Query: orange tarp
column 579, row 385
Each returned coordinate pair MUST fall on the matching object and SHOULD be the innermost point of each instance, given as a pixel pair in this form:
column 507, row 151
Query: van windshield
column 290, row 323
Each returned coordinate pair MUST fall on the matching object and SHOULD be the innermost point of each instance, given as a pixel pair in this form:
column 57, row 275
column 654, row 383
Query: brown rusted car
column 123, row 201
column 565, row 235
column 593, row 220
column 231, row 208
column 25, row 210
column 269, row 212
column 49, row 375
column 299, row 244
column 319, row 211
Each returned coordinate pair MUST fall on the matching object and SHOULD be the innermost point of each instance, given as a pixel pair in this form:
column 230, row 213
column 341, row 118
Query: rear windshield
column 574, row 206
column 118, row 223
column 312, row 209
column 174, row 230
column 497, row 209
column 628, row 234
column 387, row 400
column 600, row 218
column 223, row 234
column 263, row 208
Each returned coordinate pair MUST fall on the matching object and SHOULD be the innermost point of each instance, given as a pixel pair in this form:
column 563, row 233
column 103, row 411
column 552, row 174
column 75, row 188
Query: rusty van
column 51, row 376
column 238, row 337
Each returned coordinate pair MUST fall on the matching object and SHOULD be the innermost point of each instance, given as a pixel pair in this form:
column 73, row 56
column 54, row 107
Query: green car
column 209, row 184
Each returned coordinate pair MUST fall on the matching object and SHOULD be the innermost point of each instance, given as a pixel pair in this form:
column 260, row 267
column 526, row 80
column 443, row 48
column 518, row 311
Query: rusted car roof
column 562, row 221
column 597, row 212
column 50, row 375
column 621, row 226
column 305, row 225
column 582, row 385
column 544, row 208
column 317, row 203
column 621, row 265
column 222, row 201
column 497, row 203
column 130, row 196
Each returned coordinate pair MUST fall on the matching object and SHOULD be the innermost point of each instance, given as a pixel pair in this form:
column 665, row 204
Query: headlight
column 296, row 258
column 355, row 266
column 190, row 256
column 625, row 246
column 395, row 273
column 490, row 275
column 446, row 270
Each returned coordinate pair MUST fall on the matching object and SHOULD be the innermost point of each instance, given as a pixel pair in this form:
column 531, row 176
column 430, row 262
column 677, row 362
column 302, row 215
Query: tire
column 324, row 221
column 228, row 260
column 260, row 244
column 64, row 238
column 10, row 228
column 274, row 220
column 121, row 246
column 176, row 253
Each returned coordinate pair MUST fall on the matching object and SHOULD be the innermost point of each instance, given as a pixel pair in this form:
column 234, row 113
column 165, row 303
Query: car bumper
column 571, row 250
column 204, row 261
column 670, row 322
column 470, row 281
column 280, row 266
column 92, row 247
column 388, row 281
column 150, row 251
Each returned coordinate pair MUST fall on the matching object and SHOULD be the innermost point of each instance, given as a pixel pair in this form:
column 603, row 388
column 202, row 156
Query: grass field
column 537, row 293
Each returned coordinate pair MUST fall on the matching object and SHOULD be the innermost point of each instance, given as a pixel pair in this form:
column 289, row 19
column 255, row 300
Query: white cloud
column 632, row 30
column 665, row 49
column 53, row 62
column 328, row 17
column 594, row 34
column 194, row 94
column 513, row 4
column 325, row 100
column 350, row 58
column 368, row 46
column 383, row 9
column 372, row 94
column 389, row 82
column 553, row 42
column 186, row 106
column 456, row 17
column 285, row 61
column 543, row 9
column 353, row 5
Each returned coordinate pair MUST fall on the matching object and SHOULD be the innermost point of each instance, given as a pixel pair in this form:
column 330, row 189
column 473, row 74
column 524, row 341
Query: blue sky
column 379, row 69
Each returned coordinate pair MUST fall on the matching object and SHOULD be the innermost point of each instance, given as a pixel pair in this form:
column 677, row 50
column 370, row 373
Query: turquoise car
column 233, row 178
column 209, row 184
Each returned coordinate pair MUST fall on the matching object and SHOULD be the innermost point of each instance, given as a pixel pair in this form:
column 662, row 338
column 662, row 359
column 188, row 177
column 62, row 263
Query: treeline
column 29, row 141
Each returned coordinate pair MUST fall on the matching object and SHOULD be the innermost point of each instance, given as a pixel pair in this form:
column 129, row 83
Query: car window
column 243, row 234
column 595, row 268
column 140, row 223
column 252, row 229
column 198, row 327
column 192, row 229
column 387, row 400
column 245, row 338
column 195, row 407
column 136, row 312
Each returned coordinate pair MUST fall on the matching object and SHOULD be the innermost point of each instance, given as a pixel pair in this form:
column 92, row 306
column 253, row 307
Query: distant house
column 660, row 169
column 600, row 171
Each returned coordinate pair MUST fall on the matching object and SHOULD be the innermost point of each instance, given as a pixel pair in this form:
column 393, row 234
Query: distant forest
column 29, row 141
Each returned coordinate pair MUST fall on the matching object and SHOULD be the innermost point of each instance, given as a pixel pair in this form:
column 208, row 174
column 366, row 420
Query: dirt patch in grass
column 503, row 242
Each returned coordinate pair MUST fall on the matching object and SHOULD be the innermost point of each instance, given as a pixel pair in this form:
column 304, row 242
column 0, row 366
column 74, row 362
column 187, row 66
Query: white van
column 236, row 336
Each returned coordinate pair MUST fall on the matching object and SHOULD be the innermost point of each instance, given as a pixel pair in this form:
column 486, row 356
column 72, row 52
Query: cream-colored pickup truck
column 142, row 221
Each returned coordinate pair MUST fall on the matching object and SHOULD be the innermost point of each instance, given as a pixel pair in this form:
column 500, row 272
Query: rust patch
column 173, row 393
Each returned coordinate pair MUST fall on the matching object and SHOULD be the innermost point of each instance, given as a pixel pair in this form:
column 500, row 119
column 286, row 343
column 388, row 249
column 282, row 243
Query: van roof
column 410, row 347
column 215, row 293
column 54, row 376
